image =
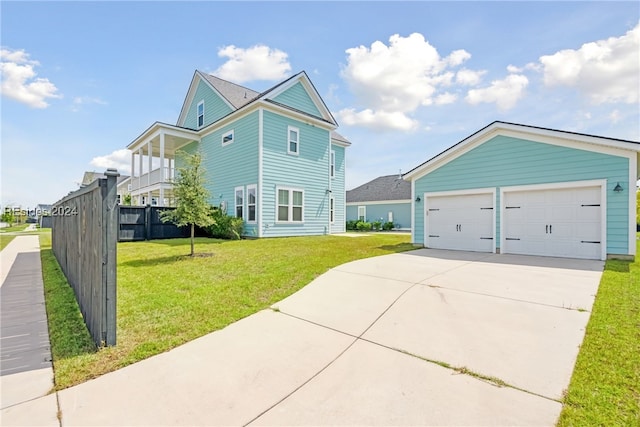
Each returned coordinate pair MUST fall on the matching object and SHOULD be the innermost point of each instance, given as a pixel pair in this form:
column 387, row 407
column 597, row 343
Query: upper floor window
column 227, row 137
column 333, row 164
column 239, row 202
column 290, row 205
column 200, row 114
column 251, row 203
column 293, row 140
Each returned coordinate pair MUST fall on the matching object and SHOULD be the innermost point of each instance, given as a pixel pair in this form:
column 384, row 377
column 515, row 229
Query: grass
column 605, row 386
column 20, row 227
column 5, row 240
column 166, row 298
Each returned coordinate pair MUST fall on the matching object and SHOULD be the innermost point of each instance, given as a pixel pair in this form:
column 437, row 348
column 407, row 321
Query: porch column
column 140, row 164
column 162, row 177
column 133, row 164
column 149, row 152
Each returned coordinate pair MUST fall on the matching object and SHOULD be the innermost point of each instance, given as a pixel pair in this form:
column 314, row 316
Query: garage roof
column 383, row 188
column 533, row 132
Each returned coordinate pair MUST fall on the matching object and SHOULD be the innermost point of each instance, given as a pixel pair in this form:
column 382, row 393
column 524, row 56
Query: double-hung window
column 332, row 204
column 251, row 203
column 290, row 205
column 333, row 164
column 200, row 112
column 239, row 202
column 293, row 140
column 362, row 213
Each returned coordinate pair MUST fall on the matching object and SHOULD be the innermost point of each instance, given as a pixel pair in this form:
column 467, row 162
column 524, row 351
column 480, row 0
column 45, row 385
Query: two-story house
column 271, row 158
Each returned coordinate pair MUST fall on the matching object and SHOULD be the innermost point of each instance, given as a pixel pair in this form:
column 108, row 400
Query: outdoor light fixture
column 418, row 199
column 617, row 188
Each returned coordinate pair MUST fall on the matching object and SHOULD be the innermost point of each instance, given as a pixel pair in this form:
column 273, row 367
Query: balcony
column 154, row 178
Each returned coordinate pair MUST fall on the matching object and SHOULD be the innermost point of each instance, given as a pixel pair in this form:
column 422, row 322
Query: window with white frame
column 293, row 140
column 332, row 209
column 200, row 109
column 333, row 164
column 227, row 137
column 290, row 205
column 239, row 202
column 251, row 202
column 362, row 213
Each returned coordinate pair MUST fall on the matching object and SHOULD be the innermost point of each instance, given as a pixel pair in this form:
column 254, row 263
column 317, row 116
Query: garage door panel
column 557, row 222
column 461, row 222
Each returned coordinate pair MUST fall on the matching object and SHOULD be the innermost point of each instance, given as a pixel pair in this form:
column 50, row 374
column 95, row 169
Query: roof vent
column 245, row 95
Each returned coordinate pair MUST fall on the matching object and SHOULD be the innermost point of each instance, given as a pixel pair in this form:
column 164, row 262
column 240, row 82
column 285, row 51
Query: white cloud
column 377, row 120
column 119, row 159
column 469, row 77
column 78, row 101
column 615, row 116
column 446, row 98
column 258, row 62
column 504, row 93
column 19, row 80
column 392, row 80
column 605, row 70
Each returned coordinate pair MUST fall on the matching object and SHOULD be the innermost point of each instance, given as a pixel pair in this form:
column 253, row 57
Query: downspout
column 259, row 191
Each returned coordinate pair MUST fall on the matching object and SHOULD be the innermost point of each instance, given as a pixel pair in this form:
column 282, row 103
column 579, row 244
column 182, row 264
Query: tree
column 189, row 189
column 126, row 200
column 8, row 217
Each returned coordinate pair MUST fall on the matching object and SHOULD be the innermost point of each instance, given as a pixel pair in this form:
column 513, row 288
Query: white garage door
column 560, row 222
column 462, row 222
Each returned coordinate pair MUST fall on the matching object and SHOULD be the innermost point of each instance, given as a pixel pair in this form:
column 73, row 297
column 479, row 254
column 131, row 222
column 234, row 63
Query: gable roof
column 534, row 133
column 383, row 188
column 238, row 97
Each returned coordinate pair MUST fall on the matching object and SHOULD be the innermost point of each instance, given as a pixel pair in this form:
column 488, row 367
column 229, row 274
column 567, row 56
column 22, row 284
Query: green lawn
column 5, row 240
column 20, row 227
column 166, row 299
column 605, row 386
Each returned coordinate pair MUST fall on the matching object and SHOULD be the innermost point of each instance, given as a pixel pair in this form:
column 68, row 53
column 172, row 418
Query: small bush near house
column 376, row 225
column 225, row 226
column 363, row 226
column 387, row 226
column 352, row 224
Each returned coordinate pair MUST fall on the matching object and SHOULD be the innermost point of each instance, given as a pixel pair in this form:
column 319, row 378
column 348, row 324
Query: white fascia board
column 552, row 137
column 155, row 129
column 340, row 143
column 380, row 202
column 311, row 90
column 197, row 77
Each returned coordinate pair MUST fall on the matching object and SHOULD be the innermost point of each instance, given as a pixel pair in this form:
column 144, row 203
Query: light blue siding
column 380, row 212
column 297, row 97
column 506, row 161
column 338, row 190
column 308, row 171
column 214, row 107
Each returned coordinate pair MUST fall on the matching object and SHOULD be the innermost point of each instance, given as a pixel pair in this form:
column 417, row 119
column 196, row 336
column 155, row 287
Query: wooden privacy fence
column 84, row 239
column 144, row 223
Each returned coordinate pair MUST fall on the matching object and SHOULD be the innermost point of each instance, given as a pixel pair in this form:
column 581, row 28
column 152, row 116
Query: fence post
column 147, row 222
column 110, row 242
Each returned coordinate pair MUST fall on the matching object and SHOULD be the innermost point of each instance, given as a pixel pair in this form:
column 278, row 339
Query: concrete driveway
column 425, row 337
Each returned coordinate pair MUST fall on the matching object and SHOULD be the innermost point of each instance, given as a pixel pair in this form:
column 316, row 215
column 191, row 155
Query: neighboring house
column 518, row 189
column 122, row 186
column 271, row 158
column 386, row 199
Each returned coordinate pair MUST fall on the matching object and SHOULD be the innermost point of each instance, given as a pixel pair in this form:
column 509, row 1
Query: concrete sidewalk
column 372, row 342
column 26, row 373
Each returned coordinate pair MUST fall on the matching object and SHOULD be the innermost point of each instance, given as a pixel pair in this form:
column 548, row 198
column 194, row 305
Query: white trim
column 602, row 183
column 290, row 205
column 633, row 172
column 364, row 216
column 226, row 134
column 260, row 172
column 380, row 202
column 469, row 192
column 332, row 210
column 582, row 142
column 235, row 201
column 332, row 162
column 253, row 187
column 198, row 125
column 413, row 213
column 332, row 156
column 297, row 131
column 191, row 93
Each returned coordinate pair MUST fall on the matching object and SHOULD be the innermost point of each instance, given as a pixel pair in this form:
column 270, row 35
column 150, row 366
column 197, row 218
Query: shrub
column 363, row 226
column 351, row 224
column 376, row 225
column 387, row 226
column 225, row 226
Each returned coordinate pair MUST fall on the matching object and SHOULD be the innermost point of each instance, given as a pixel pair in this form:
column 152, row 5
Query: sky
column 404, row 80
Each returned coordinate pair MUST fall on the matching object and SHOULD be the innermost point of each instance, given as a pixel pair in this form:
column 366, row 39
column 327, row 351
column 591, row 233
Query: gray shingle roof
column 236, row 95
column 389, row 187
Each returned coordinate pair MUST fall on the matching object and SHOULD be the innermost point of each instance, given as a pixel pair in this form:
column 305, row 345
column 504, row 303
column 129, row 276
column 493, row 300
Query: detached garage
column 520, row 189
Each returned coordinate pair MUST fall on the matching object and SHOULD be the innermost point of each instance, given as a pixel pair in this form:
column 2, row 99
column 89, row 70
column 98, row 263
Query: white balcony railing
column 157, row 176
